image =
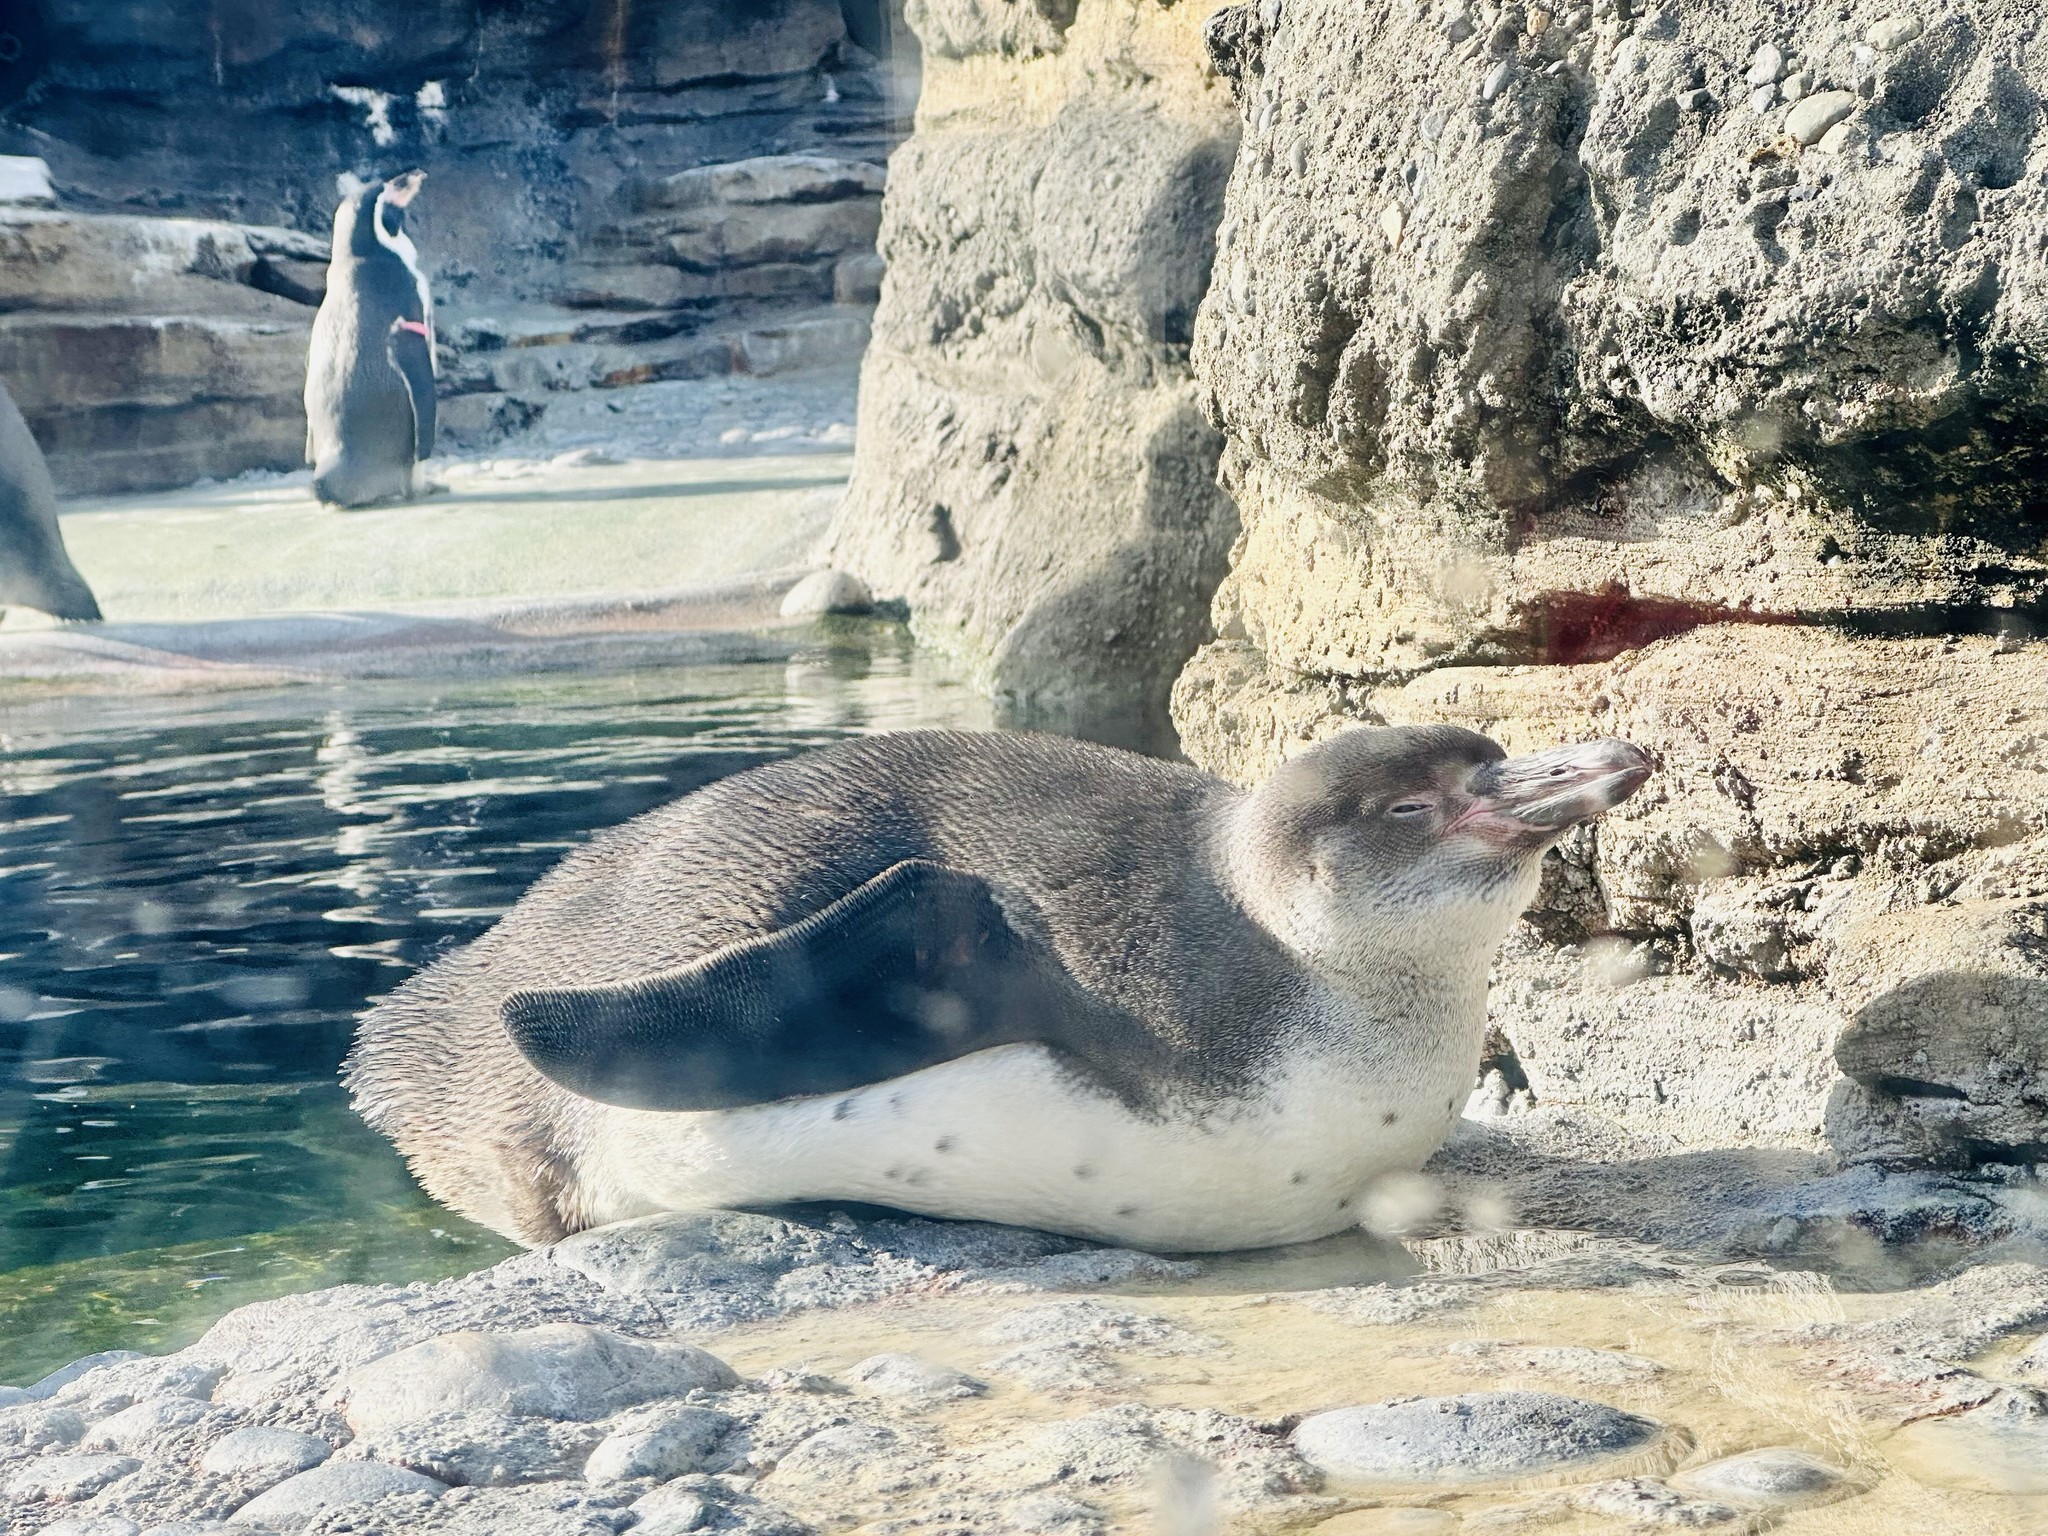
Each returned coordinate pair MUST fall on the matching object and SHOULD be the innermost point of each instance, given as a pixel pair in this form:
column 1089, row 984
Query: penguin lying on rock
column 35, row 569
column 370, row 372
column 1007, row 977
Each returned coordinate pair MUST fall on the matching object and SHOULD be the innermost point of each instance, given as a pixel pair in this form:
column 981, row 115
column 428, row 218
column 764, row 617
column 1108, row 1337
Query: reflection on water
column 197, row 897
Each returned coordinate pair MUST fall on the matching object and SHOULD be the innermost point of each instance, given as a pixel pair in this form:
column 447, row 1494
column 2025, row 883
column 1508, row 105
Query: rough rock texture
column 1033, row 475
column 560, row 138
column 637, row 1377
column 154, row 351
column 1474, row 1437
column 1673, row 373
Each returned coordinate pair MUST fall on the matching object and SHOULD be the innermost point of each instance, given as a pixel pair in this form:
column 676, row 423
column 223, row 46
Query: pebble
column 1893, row 32
column 1795, row 85
column 1496, row 79
column 1392, row 222
column 1470, row 1437
column 1696, row 101
column 1777, row 1474
column 827, row 591
column 1766, row 66
column 1819, row 112
column 1835, row 140
column 264, row 1453
column 1762, row 99
column 332, row 1485
column 75, row 1476
column 914, row 1377
column 557, row 1371
column 676, row 1441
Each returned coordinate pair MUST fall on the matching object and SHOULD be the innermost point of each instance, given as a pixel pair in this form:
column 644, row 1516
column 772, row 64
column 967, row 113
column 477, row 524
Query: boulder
column 1032, row 476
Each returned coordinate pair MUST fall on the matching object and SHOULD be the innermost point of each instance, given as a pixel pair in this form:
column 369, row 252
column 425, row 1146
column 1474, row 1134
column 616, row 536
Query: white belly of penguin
column 1008, row 1135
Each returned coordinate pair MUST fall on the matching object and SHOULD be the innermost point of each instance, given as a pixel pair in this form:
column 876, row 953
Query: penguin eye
column 1410, row 808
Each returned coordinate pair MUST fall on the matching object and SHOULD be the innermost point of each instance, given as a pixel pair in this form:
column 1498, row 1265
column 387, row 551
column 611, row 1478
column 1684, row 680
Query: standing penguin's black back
column 370, row 373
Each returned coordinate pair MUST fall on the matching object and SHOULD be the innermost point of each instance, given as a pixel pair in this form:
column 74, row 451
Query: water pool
column 197, row 895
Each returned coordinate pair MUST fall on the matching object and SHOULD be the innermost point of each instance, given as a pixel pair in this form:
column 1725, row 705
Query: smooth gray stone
column 1776, row 1474
column 331, row 1485
column 661, row 1446
column 265, row 1452
column 1471, row 1437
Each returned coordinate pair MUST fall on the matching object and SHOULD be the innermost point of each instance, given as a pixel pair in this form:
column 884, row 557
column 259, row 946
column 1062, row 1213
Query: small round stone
column 1817, row 113
column 1836, row 139
column 1777, row 1474
column 1468, row 1438
column 1766, row 66
column 1496, row 80
column 1762, row 99
column 1893, row 32
column 827, row 591
column 1795, row 85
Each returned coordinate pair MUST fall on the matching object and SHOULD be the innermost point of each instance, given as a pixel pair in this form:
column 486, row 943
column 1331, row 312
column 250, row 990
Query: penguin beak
column 404, row 188
column 1531, row 801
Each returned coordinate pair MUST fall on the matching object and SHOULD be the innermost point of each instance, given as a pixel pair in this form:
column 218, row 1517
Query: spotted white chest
column 1009, row 1135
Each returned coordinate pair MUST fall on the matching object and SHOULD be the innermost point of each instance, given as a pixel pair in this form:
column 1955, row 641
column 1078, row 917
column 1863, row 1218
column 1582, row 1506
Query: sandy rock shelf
column 1643, row 1367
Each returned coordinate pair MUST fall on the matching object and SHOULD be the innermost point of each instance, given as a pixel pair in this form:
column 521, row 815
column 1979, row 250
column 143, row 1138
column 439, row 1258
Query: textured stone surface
column 1571, row 391
column 1475, row 1437
column 334, row 1485
column 1777, row 1475
column 556, row 1371
column 1032, row 476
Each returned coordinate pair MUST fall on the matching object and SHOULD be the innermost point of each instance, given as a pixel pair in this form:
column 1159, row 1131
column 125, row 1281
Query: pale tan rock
column 1033, row 474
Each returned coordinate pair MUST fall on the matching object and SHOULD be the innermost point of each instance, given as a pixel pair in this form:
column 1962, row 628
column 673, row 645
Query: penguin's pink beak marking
column 1535, row 798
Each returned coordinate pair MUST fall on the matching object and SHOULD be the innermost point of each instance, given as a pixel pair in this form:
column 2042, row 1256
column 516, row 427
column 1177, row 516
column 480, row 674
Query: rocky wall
column 1672, row 372
column 1033, row 475
column 586, row 160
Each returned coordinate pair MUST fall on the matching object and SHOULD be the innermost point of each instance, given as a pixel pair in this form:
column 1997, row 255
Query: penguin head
column 1416, row 841
column 372, row 214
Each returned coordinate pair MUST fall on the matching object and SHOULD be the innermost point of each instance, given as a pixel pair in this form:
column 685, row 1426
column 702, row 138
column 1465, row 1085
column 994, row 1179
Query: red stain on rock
column 1574, row 627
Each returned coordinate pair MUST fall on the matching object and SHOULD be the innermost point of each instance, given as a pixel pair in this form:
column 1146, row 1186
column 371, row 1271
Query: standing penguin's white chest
column 1011, row 1135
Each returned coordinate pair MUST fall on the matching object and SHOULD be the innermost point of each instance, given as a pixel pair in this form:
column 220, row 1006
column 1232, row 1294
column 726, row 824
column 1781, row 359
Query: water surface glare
column 198, row 895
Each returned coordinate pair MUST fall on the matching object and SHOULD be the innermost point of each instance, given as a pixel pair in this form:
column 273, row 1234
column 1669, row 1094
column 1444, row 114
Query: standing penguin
column 370, row 373
column 35, row 571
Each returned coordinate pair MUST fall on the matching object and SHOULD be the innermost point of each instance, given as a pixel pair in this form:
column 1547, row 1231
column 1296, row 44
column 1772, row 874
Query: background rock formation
column 1032, row 473
column 565, row 236
column 1672, row 372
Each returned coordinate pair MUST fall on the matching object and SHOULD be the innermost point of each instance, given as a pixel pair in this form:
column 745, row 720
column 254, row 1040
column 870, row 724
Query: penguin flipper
column 412, row 354
column 916, row 967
